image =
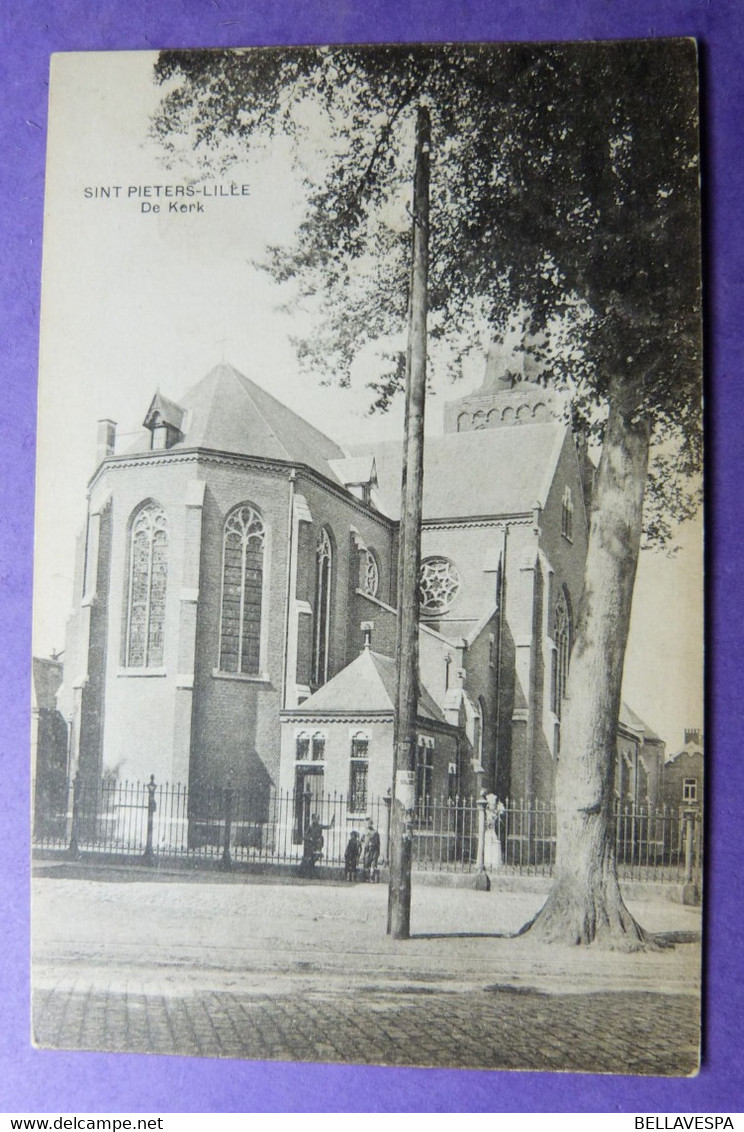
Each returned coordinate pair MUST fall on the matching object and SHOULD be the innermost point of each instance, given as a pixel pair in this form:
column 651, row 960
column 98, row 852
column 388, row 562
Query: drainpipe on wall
column 287, row 611
column 501, row 596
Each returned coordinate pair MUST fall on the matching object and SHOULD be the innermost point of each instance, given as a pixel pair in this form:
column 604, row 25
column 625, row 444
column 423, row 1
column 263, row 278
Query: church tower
column 509, row 395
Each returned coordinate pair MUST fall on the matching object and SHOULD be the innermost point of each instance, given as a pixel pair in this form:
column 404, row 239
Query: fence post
column 482, row 879
column 74, row 849
column 149, row 858
column 690, row 894
column 388, row 800
column 226, row 862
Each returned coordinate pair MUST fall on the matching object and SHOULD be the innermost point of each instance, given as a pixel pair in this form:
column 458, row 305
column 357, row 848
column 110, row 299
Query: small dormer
column 164, row 420
column 358, row 474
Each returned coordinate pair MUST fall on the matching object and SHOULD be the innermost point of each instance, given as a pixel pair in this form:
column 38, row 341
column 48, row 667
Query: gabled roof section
column 690, row 750
column 164, row 411
column 227, row 412
column 355, row 470
column 633, row 722
column 366, row 685
column 467, row 474
column 46, row 678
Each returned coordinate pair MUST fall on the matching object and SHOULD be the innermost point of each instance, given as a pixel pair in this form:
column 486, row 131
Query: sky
column 135, row 299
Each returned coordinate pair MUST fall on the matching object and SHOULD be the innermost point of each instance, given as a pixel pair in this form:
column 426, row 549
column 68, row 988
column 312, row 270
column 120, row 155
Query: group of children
column 366, row 847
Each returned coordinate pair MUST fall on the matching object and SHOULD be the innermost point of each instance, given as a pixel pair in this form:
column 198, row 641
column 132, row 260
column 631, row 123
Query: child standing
column 351, row 856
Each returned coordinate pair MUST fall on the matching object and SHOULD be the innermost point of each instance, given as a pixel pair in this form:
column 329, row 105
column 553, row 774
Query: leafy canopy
column 564, row 183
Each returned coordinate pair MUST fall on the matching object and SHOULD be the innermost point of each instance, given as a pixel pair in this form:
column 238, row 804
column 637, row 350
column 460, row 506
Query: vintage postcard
column 367, row 718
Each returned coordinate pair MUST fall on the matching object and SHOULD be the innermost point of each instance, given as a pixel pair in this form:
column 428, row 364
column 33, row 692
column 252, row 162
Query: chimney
column 105, row 440
column 693, row 735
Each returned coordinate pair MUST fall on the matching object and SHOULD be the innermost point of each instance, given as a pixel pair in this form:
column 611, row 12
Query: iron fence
column 163, row 821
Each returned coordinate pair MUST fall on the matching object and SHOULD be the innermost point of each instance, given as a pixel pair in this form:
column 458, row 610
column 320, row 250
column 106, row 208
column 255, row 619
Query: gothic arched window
column 562, row 643
column 148, row 575
column 323, row 584
column 370, row 574
column 567, row 514
column 242, row 591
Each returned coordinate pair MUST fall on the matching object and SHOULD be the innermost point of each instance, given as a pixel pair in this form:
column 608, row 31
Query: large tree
column 564, row 184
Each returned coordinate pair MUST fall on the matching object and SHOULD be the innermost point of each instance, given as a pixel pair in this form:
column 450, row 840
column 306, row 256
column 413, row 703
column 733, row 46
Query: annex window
column 310, row 748
column 689, row 790
column 567, row 514
column 358, row 773
column 323, row 584
column 439, row 582
column 148, row 575
column 242, row 591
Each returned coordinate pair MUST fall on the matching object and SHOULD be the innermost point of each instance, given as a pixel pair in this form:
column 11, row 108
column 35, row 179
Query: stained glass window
column 322, row 631
column 148, row 576
column 371, row 574
column 567, row 515
column 242, row 592
column 562, row 642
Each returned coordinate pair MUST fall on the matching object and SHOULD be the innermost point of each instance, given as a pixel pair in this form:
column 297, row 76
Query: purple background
column 73, row 1082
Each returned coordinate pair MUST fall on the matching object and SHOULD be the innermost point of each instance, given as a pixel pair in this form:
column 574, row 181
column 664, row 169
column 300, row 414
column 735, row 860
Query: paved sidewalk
column 306, row 972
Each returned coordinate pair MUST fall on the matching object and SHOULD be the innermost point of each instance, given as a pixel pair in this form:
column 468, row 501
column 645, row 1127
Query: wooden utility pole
column 409, row 555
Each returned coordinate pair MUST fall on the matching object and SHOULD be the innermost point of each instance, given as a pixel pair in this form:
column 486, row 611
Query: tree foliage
column 564, row 183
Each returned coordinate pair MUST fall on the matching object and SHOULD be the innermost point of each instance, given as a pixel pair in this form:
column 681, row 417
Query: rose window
column 438, row 586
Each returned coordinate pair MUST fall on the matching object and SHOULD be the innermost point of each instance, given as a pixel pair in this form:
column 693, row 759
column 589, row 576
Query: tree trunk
column 585, row 905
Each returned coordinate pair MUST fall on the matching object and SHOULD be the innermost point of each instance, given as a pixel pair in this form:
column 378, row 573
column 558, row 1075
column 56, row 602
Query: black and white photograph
column 367, row 721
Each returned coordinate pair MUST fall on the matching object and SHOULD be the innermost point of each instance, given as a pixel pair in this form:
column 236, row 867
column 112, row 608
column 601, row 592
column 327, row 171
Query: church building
column 235, row 597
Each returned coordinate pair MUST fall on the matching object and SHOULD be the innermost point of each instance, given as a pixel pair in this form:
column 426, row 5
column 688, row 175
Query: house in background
column 683, row 773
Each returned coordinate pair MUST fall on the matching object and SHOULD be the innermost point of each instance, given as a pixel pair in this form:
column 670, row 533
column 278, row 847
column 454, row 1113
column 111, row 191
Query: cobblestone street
column 295, row 972
column 603, row 1033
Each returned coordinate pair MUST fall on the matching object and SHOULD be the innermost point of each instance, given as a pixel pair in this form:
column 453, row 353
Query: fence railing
column 162, row 821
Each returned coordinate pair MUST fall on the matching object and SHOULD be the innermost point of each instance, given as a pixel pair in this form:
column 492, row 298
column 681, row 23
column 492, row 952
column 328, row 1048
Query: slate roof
column 227, row 412
column 498, row 471
column 366, row 685
column 629, row 719
column 230, row 413
column 354, row 469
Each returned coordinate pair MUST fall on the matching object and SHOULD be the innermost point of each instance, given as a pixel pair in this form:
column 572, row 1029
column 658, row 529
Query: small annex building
column 340, row 740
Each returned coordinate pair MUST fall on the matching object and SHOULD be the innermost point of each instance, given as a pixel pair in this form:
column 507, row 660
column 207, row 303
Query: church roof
column 489, row 472
column 227, row 412
column 230, row 413
column 633, row 722
column 366, row 685
column 354, row 470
